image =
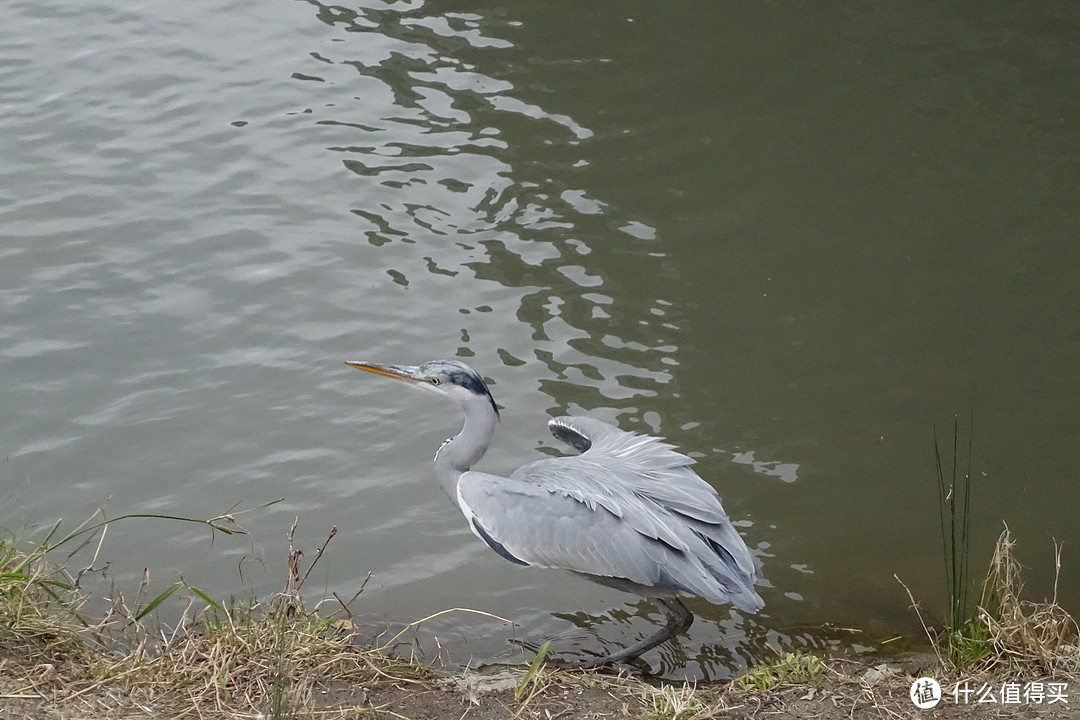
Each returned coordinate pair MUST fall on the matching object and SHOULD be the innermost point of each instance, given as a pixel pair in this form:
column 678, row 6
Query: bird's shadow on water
column 737, row 643
column 677, row 658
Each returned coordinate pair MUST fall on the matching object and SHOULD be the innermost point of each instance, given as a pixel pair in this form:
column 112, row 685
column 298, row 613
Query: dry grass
column 278, row 659
column 42, row 635
column 226, row 660
column 1026, row 636
column 1009, row 635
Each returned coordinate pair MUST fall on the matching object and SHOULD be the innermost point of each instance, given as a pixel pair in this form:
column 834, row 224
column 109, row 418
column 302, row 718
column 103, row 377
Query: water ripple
column 198, row 231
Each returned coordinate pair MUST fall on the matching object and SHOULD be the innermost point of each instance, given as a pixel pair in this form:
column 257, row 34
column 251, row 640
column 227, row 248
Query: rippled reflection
column 442, row 183
column 787, row 268
column 198, row 230
column 433, row 143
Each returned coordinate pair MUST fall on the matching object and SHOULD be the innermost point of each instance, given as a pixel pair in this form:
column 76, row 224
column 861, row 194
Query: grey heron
column 628, row 512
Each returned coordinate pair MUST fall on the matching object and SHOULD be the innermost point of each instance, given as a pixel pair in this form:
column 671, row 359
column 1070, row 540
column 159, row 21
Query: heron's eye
column 434, row 380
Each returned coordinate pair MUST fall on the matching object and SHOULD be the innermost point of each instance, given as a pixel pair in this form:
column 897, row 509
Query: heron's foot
column 679, row 620
column 613, row 665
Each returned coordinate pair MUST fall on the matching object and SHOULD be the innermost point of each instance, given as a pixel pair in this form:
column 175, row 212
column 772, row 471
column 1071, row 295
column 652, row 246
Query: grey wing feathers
column 628, row 508
column 545, row 528
column 654, row 467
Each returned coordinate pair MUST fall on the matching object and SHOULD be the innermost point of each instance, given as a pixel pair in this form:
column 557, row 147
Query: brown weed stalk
column 1026, row 635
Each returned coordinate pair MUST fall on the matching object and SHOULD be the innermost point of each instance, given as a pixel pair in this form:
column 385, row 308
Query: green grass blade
column 533, row 669
column 162, row 597
column 944, row 507
column 208, row 600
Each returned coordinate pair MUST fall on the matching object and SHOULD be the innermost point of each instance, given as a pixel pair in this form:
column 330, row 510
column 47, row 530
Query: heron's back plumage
column 627, row 512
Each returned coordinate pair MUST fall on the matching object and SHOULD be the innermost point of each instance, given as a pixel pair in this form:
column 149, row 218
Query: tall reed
column 966, row 635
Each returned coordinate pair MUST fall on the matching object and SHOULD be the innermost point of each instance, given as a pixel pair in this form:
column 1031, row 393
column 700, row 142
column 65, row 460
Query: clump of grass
column 1003, row 629
column 1024, row 635
column 227, row 658
column 41, row 629
column 792, row 667
column 265, row 659
column 259, row 660
column 42, row 618
column 669, row 702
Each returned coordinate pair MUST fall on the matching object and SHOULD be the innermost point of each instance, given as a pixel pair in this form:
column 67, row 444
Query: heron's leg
column 679, row 619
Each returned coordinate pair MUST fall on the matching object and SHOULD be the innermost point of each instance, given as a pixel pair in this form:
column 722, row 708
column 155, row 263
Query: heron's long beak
column 398, row 372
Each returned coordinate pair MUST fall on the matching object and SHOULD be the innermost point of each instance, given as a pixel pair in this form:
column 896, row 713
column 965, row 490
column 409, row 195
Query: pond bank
column 278, row 660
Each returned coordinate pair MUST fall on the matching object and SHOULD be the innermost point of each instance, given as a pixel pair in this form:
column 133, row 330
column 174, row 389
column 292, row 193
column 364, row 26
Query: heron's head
column 450, row 378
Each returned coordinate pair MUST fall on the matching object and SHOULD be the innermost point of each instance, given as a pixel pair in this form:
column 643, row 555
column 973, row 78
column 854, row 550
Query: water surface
column 789, row 239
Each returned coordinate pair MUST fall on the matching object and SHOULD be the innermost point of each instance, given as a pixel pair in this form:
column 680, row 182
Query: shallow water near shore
column 790, row 240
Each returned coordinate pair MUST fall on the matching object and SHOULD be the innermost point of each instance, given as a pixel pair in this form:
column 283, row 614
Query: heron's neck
column 458, row 454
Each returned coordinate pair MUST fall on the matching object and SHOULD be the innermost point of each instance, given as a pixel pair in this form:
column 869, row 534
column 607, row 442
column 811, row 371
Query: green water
column 789, row 238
